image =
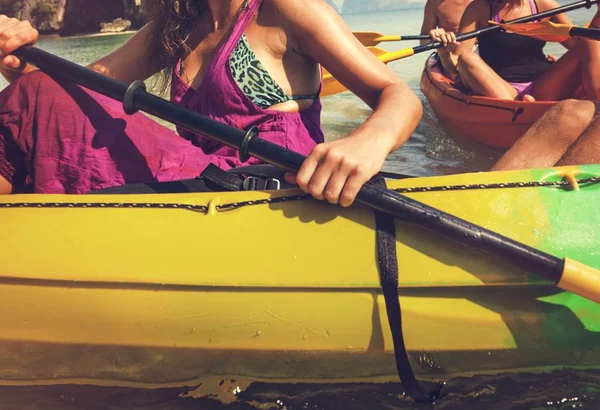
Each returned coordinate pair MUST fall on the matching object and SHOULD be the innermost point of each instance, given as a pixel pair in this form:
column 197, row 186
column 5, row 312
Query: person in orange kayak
column 442, row 16
column 567, row 134
column 246, row 63
column 510, row 66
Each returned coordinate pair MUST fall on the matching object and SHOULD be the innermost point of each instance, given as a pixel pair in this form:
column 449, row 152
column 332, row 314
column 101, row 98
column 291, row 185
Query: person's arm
column 131, row 61
column 452, row 48
column 470, row 21
column 430, row 20
column 336, row 170
column 595, row 23
column 128, row 63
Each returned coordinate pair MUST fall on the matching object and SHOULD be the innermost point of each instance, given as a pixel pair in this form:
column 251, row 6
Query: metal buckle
column 277, row 183
column 251, row 183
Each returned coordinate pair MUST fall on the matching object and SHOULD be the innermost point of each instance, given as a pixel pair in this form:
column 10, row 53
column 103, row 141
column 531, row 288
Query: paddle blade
column 544, row 30
column 397, row 55
column 370, row 38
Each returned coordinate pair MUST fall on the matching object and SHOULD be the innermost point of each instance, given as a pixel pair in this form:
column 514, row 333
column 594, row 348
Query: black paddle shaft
column 249, row 143
column 592, row 33
column 526, row 19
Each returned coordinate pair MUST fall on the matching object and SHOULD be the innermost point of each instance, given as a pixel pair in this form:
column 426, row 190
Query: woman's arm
column 337, row 170
column 128, row 63
column 131, row 61
column 470, row 21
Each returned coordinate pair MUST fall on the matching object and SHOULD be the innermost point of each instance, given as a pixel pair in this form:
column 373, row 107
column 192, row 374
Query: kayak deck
column 167, row 289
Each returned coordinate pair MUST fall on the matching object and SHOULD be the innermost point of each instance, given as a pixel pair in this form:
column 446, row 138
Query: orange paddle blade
column 544, row 30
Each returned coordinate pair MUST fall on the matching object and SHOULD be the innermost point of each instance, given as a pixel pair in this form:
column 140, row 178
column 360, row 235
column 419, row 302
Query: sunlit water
column 428, row 152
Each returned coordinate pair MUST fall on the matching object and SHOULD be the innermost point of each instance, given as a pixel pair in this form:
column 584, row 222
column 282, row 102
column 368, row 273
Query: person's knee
column 468, row 61
column 572, row 117
column 574, row 113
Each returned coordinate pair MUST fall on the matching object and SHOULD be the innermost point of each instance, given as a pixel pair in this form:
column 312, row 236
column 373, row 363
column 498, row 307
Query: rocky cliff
column 82, row 16
column 70, row 17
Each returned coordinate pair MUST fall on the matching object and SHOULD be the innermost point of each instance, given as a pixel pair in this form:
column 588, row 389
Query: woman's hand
column 448, row 40
column 13, row 35
column 335, row 171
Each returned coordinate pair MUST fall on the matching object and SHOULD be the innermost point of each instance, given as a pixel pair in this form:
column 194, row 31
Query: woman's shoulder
column 544, row 5
column 479, row 7
column 296, row 11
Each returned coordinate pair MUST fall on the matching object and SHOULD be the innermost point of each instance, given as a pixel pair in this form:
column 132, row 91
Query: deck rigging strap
column 388, row 274
column 167, row 187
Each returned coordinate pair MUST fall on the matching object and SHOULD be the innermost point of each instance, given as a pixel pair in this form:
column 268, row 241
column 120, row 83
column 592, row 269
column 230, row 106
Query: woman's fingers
column 329, row 166
column 353, row 185
column 336, row 183
column 13, row 35
column 307, row 170
column 436, row 34
column 336, row 170
column 11, row 62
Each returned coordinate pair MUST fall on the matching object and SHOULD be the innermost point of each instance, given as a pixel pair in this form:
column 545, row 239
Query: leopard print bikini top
column 254, row 80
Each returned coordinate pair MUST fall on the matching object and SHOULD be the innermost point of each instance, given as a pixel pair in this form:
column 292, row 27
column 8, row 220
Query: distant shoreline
column 85, row 35
column 98, row 34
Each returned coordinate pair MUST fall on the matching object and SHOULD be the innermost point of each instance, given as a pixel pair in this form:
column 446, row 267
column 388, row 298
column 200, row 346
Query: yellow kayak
column 172, row 289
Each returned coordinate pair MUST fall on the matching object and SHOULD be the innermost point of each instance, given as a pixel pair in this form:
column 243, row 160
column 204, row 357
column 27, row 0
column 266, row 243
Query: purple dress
column 56, row 137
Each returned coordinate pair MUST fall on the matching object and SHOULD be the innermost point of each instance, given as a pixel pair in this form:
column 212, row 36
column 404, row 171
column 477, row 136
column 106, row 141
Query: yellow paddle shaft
column 388, row 38
column 581, row 280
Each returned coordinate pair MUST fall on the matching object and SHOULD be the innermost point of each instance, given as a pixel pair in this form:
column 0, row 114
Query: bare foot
column 528, row 98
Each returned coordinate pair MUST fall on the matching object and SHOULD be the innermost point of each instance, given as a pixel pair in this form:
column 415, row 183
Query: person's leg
column 550, row 137
column 586, row 150
column 577, row 67
column 589, row 70
column 481, row 79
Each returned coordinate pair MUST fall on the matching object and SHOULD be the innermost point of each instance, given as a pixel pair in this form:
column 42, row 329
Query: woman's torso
column 206, row 83
column 515, row 58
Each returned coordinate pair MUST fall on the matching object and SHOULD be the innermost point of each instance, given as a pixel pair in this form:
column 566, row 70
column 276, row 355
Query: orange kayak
column 474, row 122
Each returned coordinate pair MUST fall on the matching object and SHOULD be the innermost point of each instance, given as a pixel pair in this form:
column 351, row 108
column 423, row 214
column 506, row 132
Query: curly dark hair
column 173, row 22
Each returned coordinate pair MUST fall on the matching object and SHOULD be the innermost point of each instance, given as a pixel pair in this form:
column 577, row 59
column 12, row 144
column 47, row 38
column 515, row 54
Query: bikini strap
column 249, row 8
column 534, row 8
column 494, row 12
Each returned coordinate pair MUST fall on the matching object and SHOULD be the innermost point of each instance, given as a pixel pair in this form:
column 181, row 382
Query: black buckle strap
column 261, row 184
column 235, row 181
column 388, row 275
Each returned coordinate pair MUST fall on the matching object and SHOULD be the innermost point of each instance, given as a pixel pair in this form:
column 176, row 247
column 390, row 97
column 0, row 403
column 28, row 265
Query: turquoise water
column 428, row 152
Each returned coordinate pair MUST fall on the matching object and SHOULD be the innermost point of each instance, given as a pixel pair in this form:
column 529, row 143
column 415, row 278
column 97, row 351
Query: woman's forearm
column 450, row 63
column 394, row 118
